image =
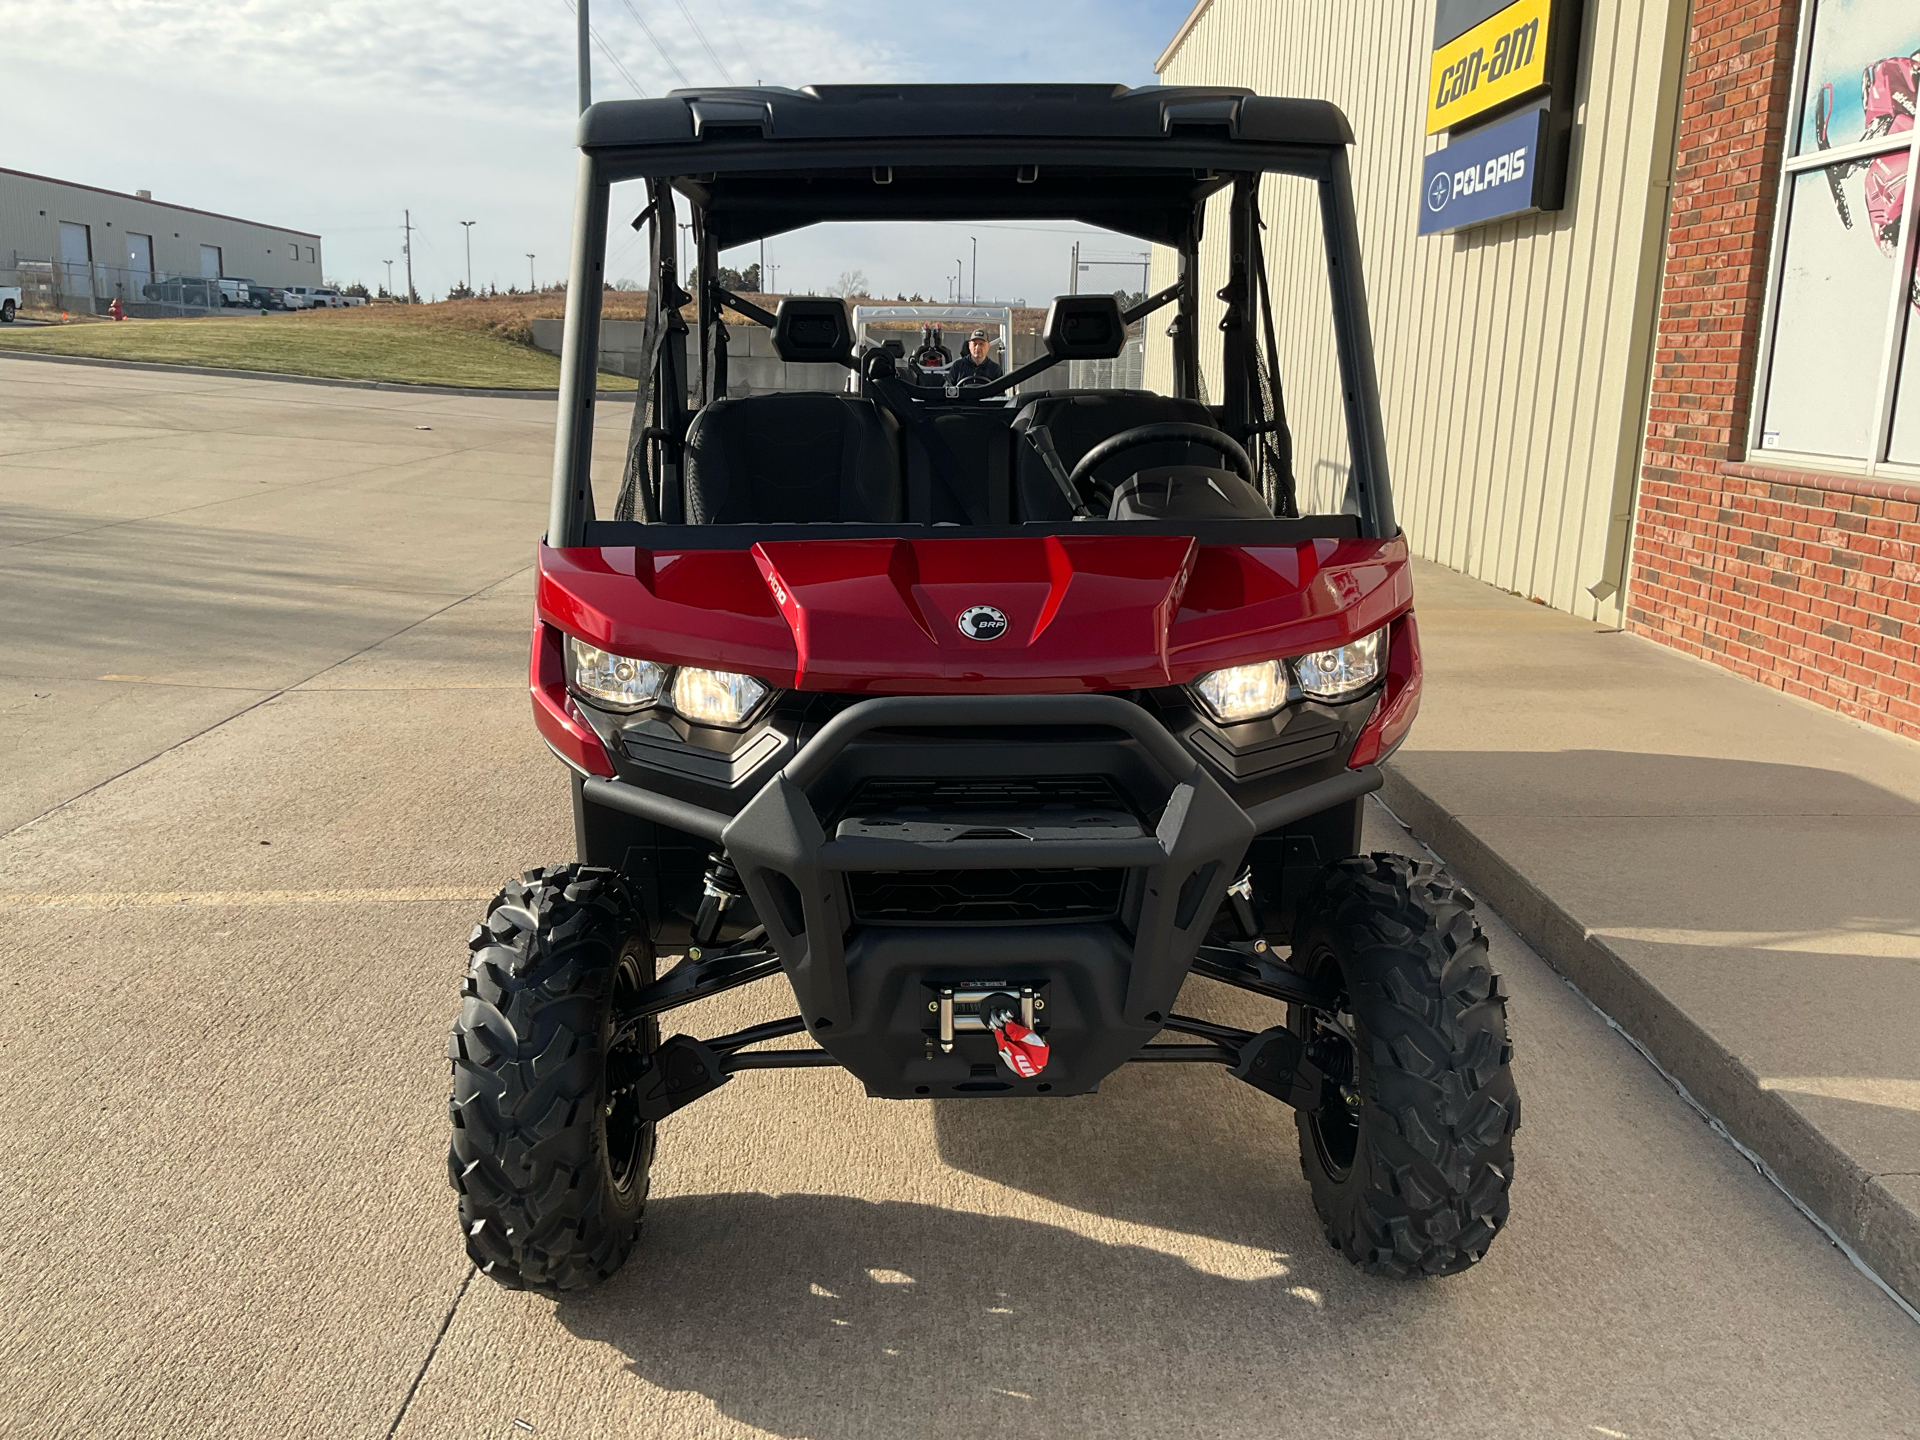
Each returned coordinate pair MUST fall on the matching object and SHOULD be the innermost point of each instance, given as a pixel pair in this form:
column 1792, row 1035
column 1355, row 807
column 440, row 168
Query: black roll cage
column 741, row 183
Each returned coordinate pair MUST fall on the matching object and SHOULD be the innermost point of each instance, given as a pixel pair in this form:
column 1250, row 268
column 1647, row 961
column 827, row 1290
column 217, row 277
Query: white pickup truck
column 315, row 297
column 9, row 302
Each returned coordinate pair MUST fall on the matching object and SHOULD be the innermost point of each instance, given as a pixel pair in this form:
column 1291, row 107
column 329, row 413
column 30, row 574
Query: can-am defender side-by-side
column 981, row 724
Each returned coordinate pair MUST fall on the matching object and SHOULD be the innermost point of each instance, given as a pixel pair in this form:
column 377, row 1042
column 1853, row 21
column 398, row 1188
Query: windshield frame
column 1212, row 161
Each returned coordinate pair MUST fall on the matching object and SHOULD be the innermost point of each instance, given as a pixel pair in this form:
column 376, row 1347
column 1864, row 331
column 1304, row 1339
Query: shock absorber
column 1240, row 900
column 717, row 894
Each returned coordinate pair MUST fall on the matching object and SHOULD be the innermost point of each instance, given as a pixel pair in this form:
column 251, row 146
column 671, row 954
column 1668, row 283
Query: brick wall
column 1808, row 583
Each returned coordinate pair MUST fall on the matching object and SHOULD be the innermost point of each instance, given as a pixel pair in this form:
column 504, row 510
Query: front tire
column 1410, row 1154
column 548, row 1153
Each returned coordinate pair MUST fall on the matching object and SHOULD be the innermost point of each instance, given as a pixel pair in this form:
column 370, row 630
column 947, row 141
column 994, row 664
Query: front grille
column 984, row 897
column 985, row 793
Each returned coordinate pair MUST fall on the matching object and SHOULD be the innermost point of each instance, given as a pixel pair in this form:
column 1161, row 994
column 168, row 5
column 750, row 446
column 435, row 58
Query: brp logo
column 982, row 622
column 1439, row 192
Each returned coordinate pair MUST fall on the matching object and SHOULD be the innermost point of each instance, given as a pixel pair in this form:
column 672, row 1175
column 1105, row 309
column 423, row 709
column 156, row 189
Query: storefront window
column 1843, row 296
column 1904, row 446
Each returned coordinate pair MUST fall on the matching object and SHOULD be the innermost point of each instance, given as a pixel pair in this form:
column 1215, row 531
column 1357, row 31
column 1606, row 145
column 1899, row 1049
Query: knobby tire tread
column 538, row 1204
column 1428, row 1187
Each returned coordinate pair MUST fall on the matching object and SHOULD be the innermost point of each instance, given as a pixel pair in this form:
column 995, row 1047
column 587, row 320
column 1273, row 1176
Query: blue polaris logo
column 1484, row 176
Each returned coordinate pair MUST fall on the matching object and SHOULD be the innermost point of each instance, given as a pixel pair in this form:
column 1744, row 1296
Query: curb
column 224, row 372
column 1816, row 1174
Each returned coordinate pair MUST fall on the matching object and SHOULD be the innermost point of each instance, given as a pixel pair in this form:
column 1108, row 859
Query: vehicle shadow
column 842, row 1319
column 1132, row 1151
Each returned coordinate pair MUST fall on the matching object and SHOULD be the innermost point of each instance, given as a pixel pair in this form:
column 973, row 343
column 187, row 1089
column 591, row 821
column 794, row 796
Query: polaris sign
column 1487, row 175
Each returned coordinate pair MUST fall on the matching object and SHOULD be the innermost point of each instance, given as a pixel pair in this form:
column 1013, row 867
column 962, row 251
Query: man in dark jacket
column 974, row 368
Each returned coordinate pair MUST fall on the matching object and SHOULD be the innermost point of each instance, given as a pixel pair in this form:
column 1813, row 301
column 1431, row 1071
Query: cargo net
column 1272, row 442
column 638, row 469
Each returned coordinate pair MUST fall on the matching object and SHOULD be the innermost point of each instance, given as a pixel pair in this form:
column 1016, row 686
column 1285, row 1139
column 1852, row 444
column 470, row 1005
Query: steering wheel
column 1159, row 434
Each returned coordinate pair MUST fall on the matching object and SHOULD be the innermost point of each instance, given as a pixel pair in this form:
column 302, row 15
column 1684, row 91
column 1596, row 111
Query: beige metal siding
column 32, row 207
column 1512, row 357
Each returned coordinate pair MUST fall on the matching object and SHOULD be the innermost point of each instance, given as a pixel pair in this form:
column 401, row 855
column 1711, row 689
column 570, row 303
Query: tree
column 741, row 282
column 459, row 291
column 355, row 289
column 850, row 284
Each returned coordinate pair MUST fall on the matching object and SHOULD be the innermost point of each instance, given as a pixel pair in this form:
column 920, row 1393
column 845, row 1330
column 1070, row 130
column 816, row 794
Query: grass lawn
column 364, row 343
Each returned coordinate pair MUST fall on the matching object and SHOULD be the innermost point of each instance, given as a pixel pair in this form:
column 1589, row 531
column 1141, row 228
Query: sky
column 336, row 116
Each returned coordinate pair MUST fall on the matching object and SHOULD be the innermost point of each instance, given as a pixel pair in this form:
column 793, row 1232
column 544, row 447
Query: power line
column 701, row 35
column 733, row 33
column 612, row 59
column 671, row 64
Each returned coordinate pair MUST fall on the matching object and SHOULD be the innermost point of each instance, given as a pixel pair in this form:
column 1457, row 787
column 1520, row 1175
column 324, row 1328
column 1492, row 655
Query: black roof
column 763, row 160
column 1032, row 112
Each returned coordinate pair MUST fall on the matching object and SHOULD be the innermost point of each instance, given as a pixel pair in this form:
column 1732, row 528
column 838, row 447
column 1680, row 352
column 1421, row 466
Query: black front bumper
column 867, row 991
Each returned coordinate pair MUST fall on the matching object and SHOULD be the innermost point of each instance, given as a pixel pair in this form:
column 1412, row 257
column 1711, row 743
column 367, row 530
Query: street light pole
column 976, row 268
column 467, row 225
column 531, row 287
column 583, row 50
column 389, row 265
column 407, row 250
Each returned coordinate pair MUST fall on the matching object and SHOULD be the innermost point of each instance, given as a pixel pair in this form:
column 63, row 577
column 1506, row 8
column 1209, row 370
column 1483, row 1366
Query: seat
column 793, row 459
column 1078, row 420
column 968, row 482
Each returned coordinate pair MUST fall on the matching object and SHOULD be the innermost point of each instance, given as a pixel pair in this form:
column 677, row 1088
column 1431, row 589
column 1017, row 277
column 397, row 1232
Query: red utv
column 982, row 718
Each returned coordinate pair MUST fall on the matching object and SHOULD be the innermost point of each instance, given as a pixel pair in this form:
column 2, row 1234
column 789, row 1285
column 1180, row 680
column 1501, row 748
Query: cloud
column 337, row 115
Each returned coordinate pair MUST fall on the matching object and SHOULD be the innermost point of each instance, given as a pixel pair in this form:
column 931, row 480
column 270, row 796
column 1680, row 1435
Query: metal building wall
column 248, row 250
column 1513, row 357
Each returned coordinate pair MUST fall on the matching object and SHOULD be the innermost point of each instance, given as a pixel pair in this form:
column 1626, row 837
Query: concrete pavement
column 1732, row 874
column 237, row 936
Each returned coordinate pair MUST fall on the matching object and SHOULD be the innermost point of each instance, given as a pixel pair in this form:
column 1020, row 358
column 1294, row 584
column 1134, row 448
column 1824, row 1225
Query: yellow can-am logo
column 1499, row 59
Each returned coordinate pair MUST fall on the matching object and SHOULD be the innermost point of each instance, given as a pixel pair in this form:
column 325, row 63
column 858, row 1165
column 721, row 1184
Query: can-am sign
column 1488, row 175
column 1501, row 84
column 1500, row 59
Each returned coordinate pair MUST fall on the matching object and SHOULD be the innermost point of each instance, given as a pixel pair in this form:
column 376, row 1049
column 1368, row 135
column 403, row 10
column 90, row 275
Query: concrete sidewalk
column 1732, row 875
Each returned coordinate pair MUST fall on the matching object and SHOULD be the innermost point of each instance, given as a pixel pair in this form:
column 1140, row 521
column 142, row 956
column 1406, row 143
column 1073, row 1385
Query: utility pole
column 389, row 265
column 583, row 50
column 1073, row 277
column 406, row 249
column 467, row 225
column 764, row 286
column 532, row 289
column 976, row 268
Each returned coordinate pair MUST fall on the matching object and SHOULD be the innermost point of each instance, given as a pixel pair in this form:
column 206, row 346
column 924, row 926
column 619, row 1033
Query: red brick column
column 1808, row 583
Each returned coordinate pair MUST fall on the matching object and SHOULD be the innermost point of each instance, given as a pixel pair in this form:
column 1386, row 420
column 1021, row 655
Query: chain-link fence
column 88, row 287
column 1126, row 371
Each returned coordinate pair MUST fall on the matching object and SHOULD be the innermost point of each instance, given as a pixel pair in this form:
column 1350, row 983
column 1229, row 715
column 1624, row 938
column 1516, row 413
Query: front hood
column 882, row 616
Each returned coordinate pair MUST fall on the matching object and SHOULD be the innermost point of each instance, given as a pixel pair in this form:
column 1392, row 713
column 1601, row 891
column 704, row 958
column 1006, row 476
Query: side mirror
column 1084, row 327
column 813, row 331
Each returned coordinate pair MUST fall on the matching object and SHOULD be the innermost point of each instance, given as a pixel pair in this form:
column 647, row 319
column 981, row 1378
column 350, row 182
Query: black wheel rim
column 1334, row 1123
column 626, row 1132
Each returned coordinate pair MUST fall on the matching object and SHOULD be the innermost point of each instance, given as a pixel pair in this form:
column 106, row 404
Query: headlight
column 1245, row 692
column 619, row 682
column 1340, row 674
column 716, row 697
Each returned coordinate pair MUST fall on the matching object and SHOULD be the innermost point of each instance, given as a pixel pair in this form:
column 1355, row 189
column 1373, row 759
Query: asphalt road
column 269, row 750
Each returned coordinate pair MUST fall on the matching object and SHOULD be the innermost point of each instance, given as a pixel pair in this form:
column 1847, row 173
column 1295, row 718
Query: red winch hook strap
column 1021, row 1050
